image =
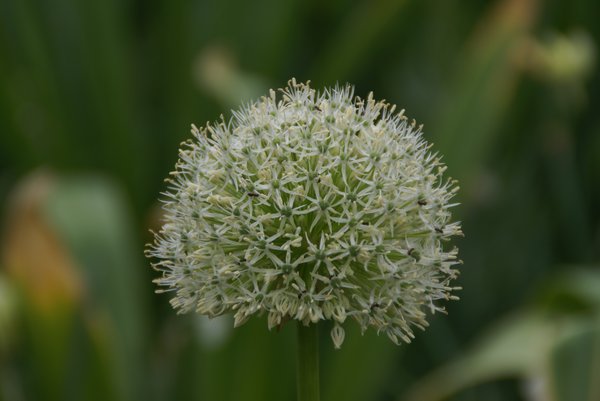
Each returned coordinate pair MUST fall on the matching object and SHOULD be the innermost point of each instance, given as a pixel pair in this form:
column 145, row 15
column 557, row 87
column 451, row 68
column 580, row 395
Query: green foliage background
column 95, row 97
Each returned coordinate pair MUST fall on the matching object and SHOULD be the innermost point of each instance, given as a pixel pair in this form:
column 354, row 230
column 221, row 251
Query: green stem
column 308, row 363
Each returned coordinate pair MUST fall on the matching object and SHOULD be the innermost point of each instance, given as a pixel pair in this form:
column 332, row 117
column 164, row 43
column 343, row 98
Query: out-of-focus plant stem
column 308, row 362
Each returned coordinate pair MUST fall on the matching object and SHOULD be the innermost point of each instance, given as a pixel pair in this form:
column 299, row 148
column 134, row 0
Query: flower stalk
column 308, row 362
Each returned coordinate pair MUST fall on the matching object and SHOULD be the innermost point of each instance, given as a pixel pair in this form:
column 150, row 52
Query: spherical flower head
column 310, row 206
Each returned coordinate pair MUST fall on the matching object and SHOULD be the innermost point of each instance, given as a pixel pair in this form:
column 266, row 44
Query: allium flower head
column 310, row 206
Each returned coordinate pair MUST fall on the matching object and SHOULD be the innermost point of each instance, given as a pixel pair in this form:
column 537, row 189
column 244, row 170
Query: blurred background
column 95, row 97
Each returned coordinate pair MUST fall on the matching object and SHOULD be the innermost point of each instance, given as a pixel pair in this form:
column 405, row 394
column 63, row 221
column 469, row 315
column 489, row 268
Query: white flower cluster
column 310, row 206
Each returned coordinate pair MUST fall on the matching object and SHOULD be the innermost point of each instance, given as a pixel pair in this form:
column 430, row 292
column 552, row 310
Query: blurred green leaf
column 48, row 288
column 575, row 365
column 561, row 347
column 90, row 215
column 478, row 96
column 511, row 348
column 349, row 47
